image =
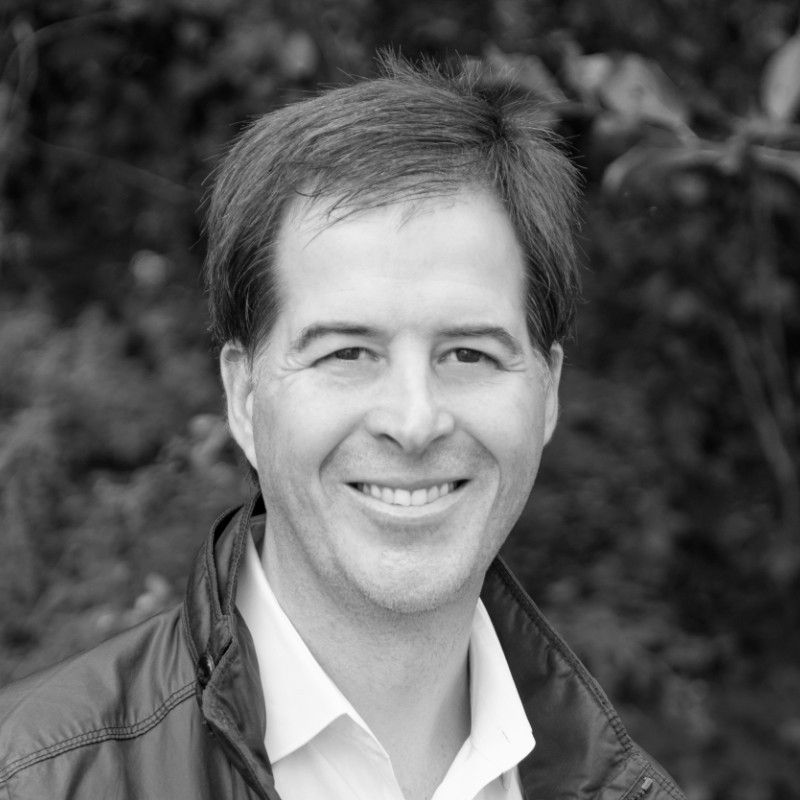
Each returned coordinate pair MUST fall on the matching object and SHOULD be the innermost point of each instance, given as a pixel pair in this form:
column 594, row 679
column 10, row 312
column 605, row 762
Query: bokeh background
column 663, row 537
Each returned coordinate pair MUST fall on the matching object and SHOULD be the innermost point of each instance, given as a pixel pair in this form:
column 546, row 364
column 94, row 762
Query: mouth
column 408, row 497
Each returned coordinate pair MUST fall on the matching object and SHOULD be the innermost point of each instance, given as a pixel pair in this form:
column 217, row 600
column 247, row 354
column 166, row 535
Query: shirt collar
column 500, row 731
column 302, row 700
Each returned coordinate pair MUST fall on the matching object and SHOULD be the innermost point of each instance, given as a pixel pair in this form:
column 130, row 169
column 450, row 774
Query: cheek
column 509, row 424
column 297, row 428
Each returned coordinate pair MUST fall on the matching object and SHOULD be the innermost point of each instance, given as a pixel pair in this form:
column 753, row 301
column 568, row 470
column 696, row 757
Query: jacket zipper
column 646, row 786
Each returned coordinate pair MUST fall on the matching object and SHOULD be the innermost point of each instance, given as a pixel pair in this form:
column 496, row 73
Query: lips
column 407, row 497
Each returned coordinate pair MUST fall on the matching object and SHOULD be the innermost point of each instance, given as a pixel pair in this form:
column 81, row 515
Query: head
column 409, row 134
column 391, row 269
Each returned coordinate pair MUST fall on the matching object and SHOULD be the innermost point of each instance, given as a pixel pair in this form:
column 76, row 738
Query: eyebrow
column 311, row 333
column 501, row 335
column 317, row 331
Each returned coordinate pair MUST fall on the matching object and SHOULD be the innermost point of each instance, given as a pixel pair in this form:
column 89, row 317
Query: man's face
column 397, row 412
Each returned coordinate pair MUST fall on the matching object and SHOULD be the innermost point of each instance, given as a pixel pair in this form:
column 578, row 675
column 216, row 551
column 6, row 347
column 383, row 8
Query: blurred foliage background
column 664, row 533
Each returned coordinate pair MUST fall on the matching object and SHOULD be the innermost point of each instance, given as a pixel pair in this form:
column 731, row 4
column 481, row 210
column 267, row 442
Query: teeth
column 418, row 497
column 404, row 497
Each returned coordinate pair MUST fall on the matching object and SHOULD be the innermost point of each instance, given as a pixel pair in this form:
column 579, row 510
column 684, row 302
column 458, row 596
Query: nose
column 408, row 409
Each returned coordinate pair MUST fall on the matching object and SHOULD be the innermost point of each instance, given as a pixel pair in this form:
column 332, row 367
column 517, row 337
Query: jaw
column 356, row 551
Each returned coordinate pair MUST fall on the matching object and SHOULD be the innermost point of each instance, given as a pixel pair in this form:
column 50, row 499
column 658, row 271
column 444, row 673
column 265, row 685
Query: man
column 390, row 272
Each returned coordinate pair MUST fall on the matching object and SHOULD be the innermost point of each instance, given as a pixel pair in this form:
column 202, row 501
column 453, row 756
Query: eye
column 466, row 355
column 350, row 354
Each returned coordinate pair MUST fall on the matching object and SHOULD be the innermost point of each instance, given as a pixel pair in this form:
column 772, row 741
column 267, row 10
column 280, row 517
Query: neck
column 405, row 674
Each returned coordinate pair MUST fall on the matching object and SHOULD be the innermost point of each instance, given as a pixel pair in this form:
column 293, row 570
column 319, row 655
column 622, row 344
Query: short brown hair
column 415, row 131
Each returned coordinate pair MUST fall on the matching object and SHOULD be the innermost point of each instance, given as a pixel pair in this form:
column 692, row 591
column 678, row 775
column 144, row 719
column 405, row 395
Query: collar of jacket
column 582, row 749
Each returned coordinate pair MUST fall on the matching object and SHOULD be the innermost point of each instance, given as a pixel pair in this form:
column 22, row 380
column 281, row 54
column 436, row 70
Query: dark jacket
column 173, row 708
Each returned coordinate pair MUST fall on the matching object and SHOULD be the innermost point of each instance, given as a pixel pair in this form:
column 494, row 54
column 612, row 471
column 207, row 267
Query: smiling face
column 397, row 412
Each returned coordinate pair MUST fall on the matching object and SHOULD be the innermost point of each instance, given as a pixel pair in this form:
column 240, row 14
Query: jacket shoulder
column 581, row 740
column 119, row 690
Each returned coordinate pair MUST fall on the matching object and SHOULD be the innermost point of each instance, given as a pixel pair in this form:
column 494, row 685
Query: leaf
column 780, row 161
column 618, row 171
column 638, row 88
column 587, row 74
column 150, row 270
column 780, row 86
column 643, row 160
column 298, row 56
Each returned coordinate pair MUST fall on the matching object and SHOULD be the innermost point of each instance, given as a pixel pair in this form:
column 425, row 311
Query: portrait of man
column 391, row 273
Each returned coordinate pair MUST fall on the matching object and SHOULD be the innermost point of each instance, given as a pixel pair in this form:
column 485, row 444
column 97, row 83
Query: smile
column 407, row 497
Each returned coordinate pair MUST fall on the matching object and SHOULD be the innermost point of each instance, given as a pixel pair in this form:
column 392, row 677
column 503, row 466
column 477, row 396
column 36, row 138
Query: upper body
column 172, row 708
column 391, row 270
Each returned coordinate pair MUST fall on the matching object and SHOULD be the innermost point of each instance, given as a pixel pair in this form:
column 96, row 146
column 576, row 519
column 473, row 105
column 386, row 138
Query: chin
column 408, row 604
column 408, row 592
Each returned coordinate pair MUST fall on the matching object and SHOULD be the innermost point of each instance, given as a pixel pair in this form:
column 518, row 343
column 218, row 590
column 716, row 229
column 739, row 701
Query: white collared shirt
column 320, row 746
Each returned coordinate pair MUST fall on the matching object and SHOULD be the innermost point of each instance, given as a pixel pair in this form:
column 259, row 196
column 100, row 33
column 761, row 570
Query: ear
column 237, row 377
column 551, row 390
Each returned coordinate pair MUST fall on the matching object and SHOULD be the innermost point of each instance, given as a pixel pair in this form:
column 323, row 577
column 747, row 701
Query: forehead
column 460, row 237
column 430, row 263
